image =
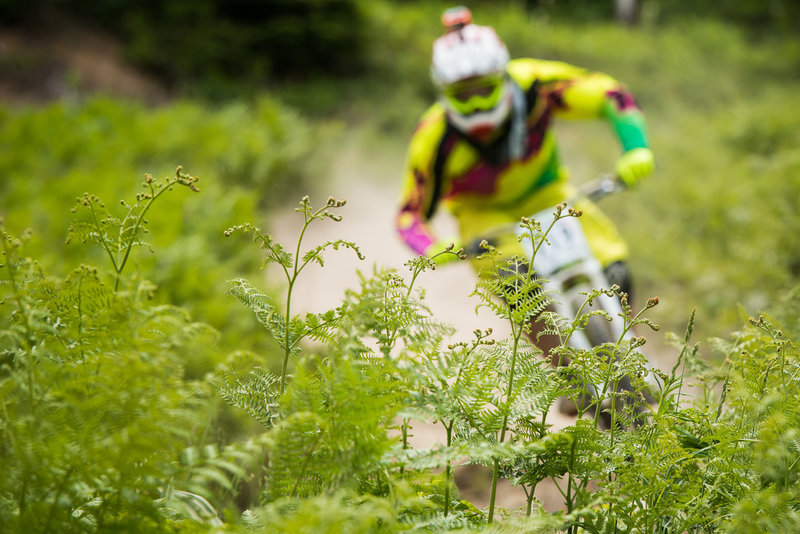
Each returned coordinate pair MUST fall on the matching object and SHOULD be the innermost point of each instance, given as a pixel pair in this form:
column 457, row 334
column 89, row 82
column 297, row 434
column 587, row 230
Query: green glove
column 444, row 251
column 634, row 165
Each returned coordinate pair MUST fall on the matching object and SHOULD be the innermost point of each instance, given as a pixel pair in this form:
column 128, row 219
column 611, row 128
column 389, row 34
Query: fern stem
column 80, row 314
column 297, row 268
column 404, row 431
column 291, row 278
column 103, row 241
column 59, row 490
column 390, row 338
column 611, row 431
column 682, row 378
column 529, row 499
column 569, row 503
column 448, row 469
column 138, row 222
column 504, row 427
column 517, row 331
column 286, row 346
column 15, row 289
column 682, row 358
column 495, row 473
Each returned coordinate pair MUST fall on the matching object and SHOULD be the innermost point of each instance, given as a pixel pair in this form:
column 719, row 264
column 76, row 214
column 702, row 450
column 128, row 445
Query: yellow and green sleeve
column 590, row 95
column 418, row 195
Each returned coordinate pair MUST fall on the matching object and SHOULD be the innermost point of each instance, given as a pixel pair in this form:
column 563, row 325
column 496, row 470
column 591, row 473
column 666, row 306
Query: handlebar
column 604, row 185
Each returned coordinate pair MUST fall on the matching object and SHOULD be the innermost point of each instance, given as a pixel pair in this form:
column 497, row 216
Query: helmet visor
column 480, row 93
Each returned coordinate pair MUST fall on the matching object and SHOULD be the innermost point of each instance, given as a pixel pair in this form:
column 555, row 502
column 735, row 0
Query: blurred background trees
column 223, row 45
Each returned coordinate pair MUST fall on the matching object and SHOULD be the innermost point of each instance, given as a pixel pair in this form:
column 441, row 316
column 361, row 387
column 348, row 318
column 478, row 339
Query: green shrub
column 100, row 429
column 249, row 155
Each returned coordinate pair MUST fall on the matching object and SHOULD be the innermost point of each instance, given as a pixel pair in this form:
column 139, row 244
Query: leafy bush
column 100, row 430
column 250, row 156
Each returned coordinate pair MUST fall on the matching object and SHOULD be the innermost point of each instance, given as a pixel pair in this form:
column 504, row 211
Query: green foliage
column 86, row 142
column 343, row 511
column 288, row 331
column 249, row 154
column 118, row 236
column 99, row 431
column 759, row 17
column 687, row 466
column 104, row 425
column 707, row 463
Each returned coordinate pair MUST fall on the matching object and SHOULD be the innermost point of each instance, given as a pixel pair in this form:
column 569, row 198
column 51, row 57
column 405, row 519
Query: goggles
column 480, row 93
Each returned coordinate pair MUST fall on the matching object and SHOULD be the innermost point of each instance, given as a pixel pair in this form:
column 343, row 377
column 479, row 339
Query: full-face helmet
column 468, row 69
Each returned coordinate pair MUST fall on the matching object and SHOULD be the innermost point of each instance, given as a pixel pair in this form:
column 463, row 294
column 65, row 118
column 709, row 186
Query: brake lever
column 606, row 185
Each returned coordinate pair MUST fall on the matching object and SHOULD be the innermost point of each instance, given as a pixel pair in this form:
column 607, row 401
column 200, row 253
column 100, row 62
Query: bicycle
column 566, row 266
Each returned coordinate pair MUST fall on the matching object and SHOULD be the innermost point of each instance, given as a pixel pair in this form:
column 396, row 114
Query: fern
column 118, row 235
column 256, row 394
column 95, row 408
column 264, row 310
column 290, row 332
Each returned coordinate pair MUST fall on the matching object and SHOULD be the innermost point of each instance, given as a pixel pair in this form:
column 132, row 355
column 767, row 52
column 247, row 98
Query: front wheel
column 623, row 395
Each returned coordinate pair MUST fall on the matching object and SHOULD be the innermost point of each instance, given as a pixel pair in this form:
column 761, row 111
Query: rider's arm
column 584, row 95
column 411, row 223
column 417, row 195
column 579, row 94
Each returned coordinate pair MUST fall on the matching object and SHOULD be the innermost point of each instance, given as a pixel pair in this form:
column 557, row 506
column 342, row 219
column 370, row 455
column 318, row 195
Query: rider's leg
column 513, row 273
column 618, row 273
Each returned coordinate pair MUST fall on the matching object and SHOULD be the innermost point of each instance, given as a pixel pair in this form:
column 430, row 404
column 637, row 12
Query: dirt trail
column 368, row 220
column 359, row 176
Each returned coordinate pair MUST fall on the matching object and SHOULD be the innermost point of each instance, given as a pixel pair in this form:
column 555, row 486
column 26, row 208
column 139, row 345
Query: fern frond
column 294, row 442
column 341, row 511
column 252, row 519
column 416, row 412
column 315, row 254
column 386, row 310
column 423, row 459
column 262, row 305
column 177, row 504
column 209, row 471
column 84, row 231
column 257, row 394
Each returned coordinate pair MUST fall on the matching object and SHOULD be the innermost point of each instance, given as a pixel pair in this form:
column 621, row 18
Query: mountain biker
column 487, row 150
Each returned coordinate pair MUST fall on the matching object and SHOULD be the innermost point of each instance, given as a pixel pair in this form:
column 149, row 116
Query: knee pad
column 618, row 273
